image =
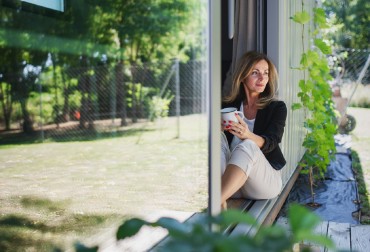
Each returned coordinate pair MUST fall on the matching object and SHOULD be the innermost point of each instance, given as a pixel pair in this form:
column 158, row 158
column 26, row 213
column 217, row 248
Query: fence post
column 194, row 96
column 177, row 83
column 41, row 119
column 113, row 94
column 94, row 102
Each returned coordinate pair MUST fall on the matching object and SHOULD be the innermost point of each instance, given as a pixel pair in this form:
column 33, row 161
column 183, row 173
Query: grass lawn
column 361, row 158
column 55, row 193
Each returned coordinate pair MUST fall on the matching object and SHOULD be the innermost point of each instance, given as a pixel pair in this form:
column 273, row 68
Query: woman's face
column 258, row 78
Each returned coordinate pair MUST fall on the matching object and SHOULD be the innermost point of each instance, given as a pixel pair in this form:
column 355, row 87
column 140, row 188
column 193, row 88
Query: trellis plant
column 316, row 99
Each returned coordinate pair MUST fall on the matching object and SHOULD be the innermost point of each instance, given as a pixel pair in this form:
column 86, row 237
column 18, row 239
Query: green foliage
column 147, row 99
column 197, row 236
column 154, row 30
column 320, row 18
column 302, row 223
column 301, row 17
column 159, row 107
column 82, row 248
column 349, row 22
column 45, row 115
column 135, row 93
column 364, row 195
column 89, row 34
column 324, row 48
column 316, row 98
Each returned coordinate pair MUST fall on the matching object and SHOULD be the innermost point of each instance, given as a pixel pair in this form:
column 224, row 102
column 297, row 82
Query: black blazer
column 269, row 124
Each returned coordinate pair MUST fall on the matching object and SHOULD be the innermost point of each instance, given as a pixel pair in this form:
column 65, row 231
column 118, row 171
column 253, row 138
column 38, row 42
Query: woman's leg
column 236, row 173
column 264, row 182
column 232, row 180
column 248, row 162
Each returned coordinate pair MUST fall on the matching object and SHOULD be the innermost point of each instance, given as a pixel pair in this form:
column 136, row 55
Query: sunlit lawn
column 361, row 159
column 55, row 193
column 359, row 95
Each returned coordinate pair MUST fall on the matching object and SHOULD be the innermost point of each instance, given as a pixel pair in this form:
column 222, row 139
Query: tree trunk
column 7, row 105
column 27, row 122
column 7, row 111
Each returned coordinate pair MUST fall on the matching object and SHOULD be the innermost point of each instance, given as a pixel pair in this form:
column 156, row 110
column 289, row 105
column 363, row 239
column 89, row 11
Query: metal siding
column 288, row 37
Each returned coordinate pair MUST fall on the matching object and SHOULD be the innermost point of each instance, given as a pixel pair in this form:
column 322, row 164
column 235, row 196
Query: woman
column 251, row 155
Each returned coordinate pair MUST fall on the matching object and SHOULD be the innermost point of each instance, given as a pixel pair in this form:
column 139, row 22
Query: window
column 104, row 115
column 51, row 4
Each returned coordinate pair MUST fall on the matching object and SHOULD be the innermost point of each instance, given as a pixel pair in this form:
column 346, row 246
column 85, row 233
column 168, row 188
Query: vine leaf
column 320, row 18
column 301, row 17
column 312, row 58
column 304, row 62
column 296, row 106
column 324, row 48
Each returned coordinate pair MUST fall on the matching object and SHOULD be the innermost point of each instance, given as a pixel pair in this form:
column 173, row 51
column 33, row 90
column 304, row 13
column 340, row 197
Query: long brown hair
column 243, row 69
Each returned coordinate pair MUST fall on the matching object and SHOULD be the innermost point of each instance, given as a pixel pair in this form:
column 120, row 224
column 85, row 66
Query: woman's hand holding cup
column 232, row 121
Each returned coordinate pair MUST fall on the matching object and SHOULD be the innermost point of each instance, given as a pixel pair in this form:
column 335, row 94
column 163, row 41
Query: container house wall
column 285, row 46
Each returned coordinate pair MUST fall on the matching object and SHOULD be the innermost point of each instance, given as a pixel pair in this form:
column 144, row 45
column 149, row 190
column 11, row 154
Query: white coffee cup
column 228, row 114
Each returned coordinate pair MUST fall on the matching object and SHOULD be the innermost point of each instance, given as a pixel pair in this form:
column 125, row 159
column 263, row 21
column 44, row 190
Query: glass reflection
column 102, row 116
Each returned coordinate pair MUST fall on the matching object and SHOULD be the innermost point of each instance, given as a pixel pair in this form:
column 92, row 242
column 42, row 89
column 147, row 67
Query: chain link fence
column 347, row 65
column 351, row 76
column 351, row 72
column 79, row 103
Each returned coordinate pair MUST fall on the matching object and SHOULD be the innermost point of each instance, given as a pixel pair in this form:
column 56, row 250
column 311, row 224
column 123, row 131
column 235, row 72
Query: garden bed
column 336, row 196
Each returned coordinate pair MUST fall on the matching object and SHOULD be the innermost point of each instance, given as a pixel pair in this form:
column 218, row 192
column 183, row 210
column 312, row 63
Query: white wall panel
column 284, row 47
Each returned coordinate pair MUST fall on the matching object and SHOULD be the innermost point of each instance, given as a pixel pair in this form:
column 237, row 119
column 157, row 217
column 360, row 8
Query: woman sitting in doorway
column 251, row 156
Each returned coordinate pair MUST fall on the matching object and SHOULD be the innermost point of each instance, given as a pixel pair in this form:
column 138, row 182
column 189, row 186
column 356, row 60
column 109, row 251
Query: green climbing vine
column 316, row 99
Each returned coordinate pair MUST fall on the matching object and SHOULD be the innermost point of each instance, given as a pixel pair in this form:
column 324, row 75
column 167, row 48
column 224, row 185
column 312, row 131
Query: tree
column 21, row 72
column 350, row 22
column 21, row 64
column 152, row 31
column 88, row 34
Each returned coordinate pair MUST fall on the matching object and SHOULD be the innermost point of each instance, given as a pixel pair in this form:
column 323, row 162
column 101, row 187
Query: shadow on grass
column 48, row 231
column 14, row 220
column 78, row 223
column 362, row 191
column 15, row 239
column 21, row 233
column 45, row 204
column 66, row 135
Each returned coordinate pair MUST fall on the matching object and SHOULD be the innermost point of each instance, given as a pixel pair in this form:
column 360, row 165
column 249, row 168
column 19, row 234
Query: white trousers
column 264, row 182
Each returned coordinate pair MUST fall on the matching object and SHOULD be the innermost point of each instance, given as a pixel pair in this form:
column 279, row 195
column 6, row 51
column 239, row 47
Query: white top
column 250, row 123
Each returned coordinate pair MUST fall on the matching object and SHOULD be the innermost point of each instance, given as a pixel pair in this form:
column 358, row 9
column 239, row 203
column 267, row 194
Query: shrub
column 198, row 236
column 159, row 107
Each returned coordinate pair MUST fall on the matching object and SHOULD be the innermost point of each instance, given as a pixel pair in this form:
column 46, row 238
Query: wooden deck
column 346, row 236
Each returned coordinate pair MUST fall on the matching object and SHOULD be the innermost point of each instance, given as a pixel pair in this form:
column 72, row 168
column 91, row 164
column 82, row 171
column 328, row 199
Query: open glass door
column 105, row 114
